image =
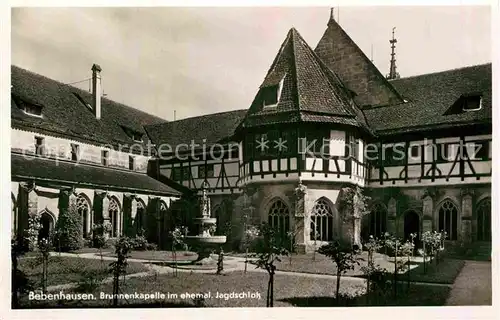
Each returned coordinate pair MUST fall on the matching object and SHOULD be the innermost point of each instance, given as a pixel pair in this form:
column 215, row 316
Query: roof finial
column 332, row 13
column 392, row 72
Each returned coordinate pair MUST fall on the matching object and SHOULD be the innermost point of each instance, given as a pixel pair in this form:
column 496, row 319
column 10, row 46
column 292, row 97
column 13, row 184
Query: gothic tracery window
column 322, row 221
column 114, row 214
column 484, row 220
column 83, row 208
column 139, row 217
column 448, row 216
column 279, row 217
column 378, row 221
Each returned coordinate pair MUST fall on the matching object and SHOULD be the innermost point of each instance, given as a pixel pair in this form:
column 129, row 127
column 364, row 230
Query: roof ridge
column 202, row 116
column 58, row 82
column 442, row 71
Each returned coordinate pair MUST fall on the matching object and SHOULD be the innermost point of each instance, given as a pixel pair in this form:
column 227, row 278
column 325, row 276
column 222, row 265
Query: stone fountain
column 206, row 241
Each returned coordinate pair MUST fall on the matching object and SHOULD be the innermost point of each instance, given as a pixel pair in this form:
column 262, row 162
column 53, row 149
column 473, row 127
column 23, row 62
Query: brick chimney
column 96, row 90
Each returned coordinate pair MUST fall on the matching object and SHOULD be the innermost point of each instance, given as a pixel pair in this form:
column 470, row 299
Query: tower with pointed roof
column 393, row 74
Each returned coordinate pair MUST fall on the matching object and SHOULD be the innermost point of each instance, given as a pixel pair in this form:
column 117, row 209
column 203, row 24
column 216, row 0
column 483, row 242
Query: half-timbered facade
column 72, row 147
column 325, row 119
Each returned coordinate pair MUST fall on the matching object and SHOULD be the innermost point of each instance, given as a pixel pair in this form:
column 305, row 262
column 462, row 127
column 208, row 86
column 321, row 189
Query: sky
column 204, row 60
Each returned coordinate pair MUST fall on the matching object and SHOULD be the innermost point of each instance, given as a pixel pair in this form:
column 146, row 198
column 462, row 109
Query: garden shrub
column 69, row 233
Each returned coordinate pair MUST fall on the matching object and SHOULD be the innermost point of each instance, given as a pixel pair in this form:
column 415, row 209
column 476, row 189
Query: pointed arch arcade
column 448, row 219
column 84, row 210
column 483, row 219
column 279, row 217
column 322, row 221
column 376, row 221
column 115, row 211
column 140, row 217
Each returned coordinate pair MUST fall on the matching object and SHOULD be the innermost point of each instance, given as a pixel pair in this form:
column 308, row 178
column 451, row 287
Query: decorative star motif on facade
column 280, row 144
column 262, row 144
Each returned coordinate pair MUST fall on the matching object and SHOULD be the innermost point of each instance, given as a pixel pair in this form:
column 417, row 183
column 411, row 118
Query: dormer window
column 134, row 135
column 472, row 103
column 28, row 107
column 271, row 94
column 466, row 103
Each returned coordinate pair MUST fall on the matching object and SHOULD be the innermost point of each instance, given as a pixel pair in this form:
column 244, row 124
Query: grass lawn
column 92, row 250
column 290, row 290
column 63, row 270
column 319, row 264
column 445, row 272
column 165, row 256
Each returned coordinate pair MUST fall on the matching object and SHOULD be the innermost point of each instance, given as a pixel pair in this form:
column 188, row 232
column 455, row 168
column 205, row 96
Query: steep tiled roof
column 343, row 56
column 212, row 127
column 65, row 115
column 430, row 96
column 308, row 87
column 65, row 172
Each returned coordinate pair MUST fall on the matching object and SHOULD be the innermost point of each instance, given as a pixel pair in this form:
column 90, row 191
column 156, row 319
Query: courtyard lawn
column 323, row 265
column 290, row 290
column 445, row 272
column 63, row 270
column 92, row 250
column 163, row 256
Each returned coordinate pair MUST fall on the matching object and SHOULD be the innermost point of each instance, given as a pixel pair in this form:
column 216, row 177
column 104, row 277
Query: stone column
column 133, row 216
column 28, row 225
column 302, row 204
column 391, row 217
column 101, row 207
column 356, row 223
column 466, row 221
column 427, row 213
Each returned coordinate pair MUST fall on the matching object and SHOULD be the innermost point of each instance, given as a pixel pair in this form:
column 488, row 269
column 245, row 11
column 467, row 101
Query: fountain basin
column 210, row 239
column 206, row 220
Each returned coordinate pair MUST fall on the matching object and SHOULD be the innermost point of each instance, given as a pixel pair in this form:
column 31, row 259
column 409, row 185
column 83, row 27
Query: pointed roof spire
column 332, row 15
column 343, row 56
column 299, row 87
column 392, row 71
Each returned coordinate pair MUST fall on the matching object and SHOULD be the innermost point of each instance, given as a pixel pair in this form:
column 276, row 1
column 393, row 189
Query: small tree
column 177, row 239
column 270, row 251
column 44, row 246
column 251, row 233
column 372, row 246
column 69, row 235
column 344, row 257
column 119, row 267
column 98, row 238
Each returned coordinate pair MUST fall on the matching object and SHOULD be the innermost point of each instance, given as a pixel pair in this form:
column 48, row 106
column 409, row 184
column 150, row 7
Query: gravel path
column 472, row 287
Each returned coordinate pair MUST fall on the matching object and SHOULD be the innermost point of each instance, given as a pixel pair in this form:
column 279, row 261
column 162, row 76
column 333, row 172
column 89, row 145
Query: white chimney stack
column 96, row 90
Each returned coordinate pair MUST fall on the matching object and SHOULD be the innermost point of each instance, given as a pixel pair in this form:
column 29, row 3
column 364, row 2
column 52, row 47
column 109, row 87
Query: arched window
column 484, row 220
column 114, row 214
column 139, row 217
column 279, row 217
column 14, row 215
column 377, row 221
column 448, row 216
column 322, row 221
column 47, row 223
column 83, row 207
